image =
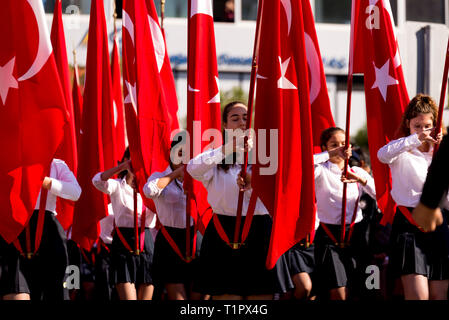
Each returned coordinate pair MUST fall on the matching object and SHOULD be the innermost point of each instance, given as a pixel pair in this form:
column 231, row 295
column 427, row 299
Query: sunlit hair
column 420, row 104
column 126, row 156
column 327, row 134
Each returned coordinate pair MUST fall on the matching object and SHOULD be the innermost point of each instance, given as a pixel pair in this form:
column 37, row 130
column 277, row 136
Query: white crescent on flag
column 288, row 11
column 158, row 42
column 314, row 64
column 201, row 6
column 44, row 48
column 128, row 25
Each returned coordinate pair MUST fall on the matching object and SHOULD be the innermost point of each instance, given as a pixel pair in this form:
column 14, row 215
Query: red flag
column 282, row 103
column 97, row 139
column 32, row 109
column 67, row 151
column 147, row 120
column 77, row 104
column 376, row 54
column 168, row 82
column 319, row 98
column 119, row 123
column 203, row 95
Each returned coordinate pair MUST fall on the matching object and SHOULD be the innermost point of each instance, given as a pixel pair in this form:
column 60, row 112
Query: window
column 224, row 10
column 331, row 11
column 173, row 8
column 425, row 11
column 68, row 6
column 249, row 10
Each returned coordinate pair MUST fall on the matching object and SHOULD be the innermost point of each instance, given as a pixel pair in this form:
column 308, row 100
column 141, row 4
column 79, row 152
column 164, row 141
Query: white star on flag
column 132, row 94
column 283, row 82
column 383, row 79
column 7, row 80
column 216, row 98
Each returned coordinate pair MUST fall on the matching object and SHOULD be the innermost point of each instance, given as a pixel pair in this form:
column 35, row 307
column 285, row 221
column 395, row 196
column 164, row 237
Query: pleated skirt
column 128, row 267
column 242, row 272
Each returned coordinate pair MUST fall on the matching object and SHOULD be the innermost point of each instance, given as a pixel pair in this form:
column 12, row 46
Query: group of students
column 324, row 268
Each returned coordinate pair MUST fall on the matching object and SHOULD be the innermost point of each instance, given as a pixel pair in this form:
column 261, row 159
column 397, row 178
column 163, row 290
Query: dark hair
column 224, row 117
column 420, row 104
column 327, row 134
column 126, row 155
column 177, row 139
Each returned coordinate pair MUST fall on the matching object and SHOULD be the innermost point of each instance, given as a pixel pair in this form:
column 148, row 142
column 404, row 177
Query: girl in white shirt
column 418, row 258
column 41, row 276
column 130, row 272
column 166, row 190
column 335, row 264
column 228, row 273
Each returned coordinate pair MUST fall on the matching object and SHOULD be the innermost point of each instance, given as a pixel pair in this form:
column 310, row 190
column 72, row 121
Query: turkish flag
column 77, row 104
column 375, row 53
column 168, row 81
column 203, row 97
column 119, row 114
column 282, row 103
column 32, row 109
column 146, row 111
column 319, row 97
column 97, row 138
column 67, row 151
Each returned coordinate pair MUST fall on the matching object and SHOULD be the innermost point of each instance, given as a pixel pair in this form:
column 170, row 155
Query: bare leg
column 145, row 292
column 338, row 293
column 16, row 296
column 176, row 291
column 438, row 289
column 415, row 287
column 126, row 291
column 303, row 285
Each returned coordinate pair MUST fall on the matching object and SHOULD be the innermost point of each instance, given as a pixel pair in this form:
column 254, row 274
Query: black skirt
column 301, row 258
column 129, row 267
column 44, row 274
column 415, row 252
column 242, row 272
column 168, row 267
column 335, row 266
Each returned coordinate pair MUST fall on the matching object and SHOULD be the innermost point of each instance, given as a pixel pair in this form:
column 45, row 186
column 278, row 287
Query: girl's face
column 420, row 123
column 236, row 118
column 336, row 141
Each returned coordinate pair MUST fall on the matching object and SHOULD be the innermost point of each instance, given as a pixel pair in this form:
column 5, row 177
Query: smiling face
column 236, row 117
column 420, row 123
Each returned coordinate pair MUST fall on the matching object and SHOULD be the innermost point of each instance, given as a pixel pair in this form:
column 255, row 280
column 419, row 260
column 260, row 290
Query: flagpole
column 442, row 97
column 252, row 85
column 115, row 21
column 162, row 14
column 189, row 192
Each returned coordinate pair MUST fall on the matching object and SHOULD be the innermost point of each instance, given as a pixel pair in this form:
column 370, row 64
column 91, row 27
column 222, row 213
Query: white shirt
column 107, row 226
column 221, row 186
column 329, row 191
column 408, row 168
column 122, row 201
column 170, row 201
column 63, row 185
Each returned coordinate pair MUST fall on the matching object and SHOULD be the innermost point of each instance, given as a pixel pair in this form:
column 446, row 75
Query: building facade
column 421, row 26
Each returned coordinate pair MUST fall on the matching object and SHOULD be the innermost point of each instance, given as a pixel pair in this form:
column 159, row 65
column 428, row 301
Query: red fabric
column 97, row 139
column 374, row 53
column 168, row 81
column 32, row 110
column 146, row 111
column 77, row 105
column 319, row 97
column 282, row 103
column 67, row 150
column 203, row 98
column 119, row 114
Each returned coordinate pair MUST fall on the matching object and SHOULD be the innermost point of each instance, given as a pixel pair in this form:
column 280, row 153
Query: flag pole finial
column 162, row 13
